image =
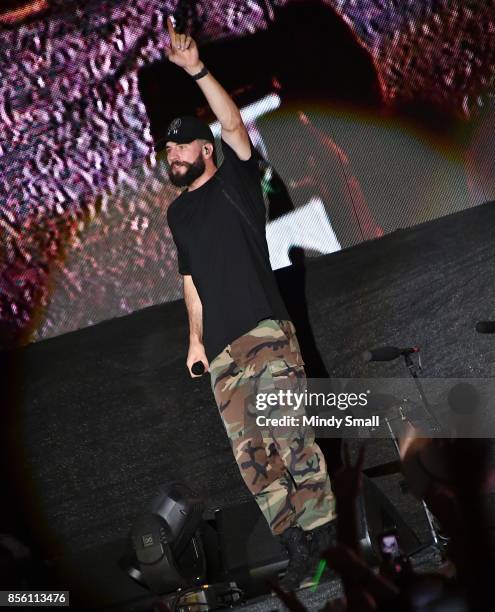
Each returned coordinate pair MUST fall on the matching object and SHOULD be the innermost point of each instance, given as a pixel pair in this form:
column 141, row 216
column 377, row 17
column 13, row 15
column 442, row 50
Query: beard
column 193, row 171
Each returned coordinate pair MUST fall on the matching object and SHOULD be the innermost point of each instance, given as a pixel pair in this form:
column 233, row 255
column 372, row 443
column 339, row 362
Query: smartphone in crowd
column 389, row 544
column 395, row 565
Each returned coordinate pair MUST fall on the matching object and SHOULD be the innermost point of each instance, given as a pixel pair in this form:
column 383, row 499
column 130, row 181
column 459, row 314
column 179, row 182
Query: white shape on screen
column 307, row 227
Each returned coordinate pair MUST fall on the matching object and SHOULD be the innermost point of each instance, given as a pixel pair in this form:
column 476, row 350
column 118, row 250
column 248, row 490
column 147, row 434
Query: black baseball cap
column 186, row 129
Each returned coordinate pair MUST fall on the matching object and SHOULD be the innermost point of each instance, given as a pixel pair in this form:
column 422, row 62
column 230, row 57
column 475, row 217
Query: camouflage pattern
column 283, row 467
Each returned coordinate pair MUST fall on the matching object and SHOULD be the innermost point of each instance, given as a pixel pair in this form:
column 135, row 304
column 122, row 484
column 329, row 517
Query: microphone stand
column 413, row 370
column 429, row 516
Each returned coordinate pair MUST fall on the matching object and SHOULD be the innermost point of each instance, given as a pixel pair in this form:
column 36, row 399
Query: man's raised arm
column 184, row 53
column 195, row 312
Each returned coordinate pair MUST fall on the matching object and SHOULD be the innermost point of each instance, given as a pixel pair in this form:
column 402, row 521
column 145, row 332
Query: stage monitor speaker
column 250, row 554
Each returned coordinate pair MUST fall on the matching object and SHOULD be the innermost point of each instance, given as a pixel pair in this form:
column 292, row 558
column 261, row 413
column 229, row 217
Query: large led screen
column 367, row 117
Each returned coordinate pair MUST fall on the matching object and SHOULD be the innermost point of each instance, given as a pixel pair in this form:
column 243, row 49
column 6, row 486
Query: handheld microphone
column 485, row 327
column 388, row 353
column 198, row 368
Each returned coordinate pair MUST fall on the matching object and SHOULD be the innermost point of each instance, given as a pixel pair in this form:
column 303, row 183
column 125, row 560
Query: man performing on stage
column 239, row 327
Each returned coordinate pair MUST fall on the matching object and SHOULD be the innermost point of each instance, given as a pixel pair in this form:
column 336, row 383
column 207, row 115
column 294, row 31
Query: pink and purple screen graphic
column 344, row 120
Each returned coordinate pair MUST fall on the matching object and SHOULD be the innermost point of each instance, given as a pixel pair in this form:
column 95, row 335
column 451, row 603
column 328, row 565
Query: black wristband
column 200, row 74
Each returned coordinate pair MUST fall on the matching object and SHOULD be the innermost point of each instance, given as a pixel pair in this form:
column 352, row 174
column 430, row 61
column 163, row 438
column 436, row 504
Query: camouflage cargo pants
column 282, row 466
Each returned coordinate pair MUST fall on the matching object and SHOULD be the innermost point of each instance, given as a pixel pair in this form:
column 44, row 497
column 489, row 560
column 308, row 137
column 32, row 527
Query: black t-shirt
column 219, row 232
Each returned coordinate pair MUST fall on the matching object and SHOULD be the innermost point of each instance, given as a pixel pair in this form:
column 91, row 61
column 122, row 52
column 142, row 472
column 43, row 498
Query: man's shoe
column 296, row 543
column 321, row 538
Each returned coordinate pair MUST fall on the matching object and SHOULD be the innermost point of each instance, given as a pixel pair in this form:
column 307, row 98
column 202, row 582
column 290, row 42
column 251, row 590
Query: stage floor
column 98, row 419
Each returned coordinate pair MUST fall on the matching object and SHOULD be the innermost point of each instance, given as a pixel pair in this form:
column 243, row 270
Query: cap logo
column 173, row 128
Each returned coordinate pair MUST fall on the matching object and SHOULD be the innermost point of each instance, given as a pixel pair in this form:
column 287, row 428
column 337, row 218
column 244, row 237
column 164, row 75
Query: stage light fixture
column 166, row 550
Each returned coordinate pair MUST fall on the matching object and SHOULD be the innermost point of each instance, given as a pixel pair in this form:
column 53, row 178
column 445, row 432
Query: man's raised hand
column 183, row 50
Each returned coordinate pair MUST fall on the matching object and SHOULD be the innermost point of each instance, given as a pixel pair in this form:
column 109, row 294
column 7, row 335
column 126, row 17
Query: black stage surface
column 98, row 419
